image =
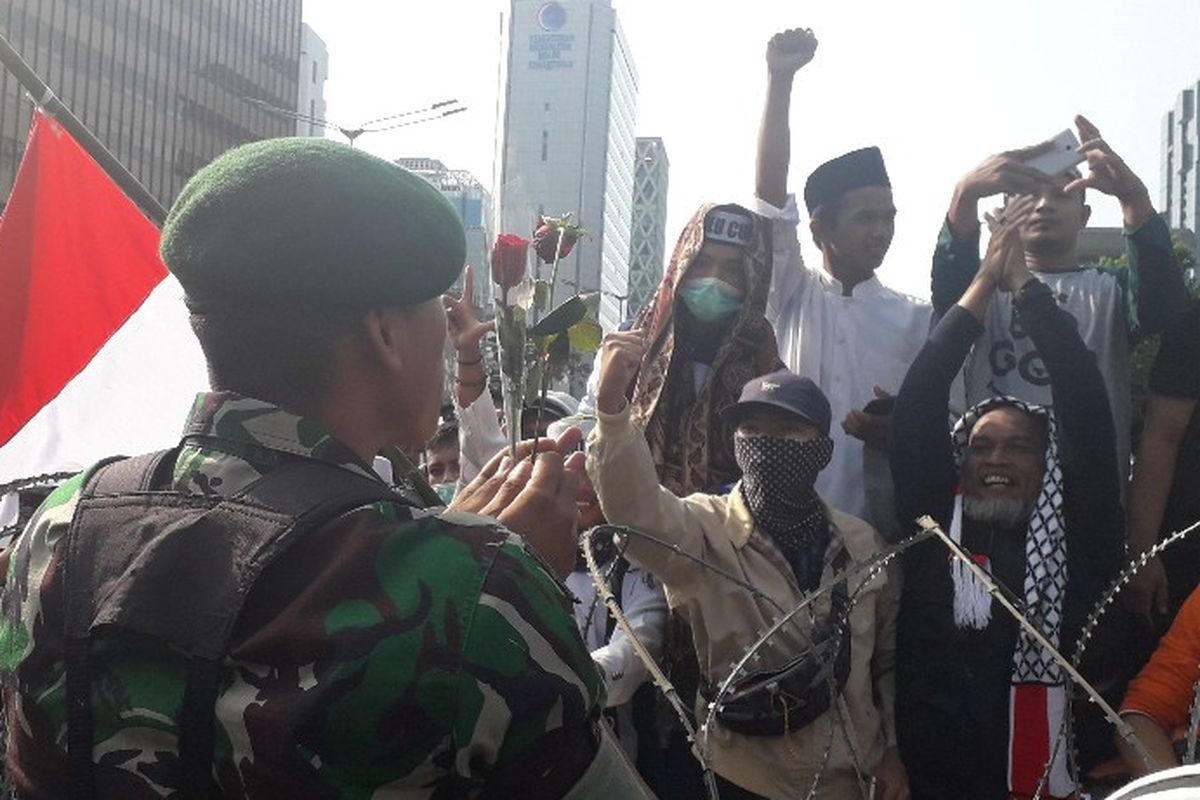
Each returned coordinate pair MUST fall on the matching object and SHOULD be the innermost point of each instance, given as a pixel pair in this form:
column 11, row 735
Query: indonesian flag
column 96, row 357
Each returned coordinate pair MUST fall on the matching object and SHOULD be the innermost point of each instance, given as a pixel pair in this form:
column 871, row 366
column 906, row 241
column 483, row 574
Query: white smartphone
column 1061, row 157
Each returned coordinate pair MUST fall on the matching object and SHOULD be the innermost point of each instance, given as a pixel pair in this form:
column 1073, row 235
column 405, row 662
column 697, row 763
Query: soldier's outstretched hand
column 790, row 50
column 538, row 500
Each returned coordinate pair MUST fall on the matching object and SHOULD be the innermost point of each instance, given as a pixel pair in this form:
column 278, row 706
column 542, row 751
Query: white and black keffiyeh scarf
column 1037, row 702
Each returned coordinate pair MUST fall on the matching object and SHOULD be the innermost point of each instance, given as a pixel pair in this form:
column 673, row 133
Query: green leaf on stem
column 585, row 335
column 562, row 318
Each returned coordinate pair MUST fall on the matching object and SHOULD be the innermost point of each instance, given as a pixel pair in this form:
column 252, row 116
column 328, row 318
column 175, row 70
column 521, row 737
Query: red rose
column 509, row 255
column 545, row 239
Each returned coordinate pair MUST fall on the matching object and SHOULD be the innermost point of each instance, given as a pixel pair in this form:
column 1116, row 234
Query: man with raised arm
column 837, row 324
column 1032, row 494
column 1111, row 307
column 774, row 532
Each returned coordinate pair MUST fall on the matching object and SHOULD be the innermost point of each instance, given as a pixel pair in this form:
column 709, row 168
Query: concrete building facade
column 1181, row 161
column 314, row 71
column 162, row 84
column 568, row 138
column 473, row 203
column 648, row 239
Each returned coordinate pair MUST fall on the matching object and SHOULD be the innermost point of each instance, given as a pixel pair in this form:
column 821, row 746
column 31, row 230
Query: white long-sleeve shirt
column 645, row 607
column 847, row 345
column 479, row 436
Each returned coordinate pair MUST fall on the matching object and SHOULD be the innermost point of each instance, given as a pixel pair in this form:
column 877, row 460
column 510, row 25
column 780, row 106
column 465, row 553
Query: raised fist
column 790, row 50
column 621, row 356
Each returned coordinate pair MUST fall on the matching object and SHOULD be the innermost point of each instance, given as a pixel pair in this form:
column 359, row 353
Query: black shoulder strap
column 137, row 474
column 122, row 569
column 617, row 586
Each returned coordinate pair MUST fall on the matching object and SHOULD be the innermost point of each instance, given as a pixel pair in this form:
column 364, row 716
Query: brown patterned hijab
column 692, row 446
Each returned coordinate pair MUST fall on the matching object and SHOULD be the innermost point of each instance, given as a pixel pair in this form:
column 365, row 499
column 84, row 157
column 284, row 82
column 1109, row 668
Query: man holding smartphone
column 1112, row 307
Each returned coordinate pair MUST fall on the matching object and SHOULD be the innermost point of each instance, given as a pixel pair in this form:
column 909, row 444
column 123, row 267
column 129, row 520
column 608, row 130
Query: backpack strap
column 122, row 559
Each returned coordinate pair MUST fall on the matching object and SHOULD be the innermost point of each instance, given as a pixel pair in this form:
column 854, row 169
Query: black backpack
column 176, row 568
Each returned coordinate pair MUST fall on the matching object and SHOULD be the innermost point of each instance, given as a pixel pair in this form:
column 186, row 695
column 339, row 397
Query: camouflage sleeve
column 31, row 563
column 529, row 694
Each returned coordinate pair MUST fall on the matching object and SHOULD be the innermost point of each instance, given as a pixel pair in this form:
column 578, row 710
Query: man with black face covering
column 774, row 532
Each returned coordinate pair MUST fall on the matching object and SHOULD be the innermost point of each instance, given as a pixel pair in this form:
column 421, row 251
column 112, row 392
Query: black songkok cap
column 854, row 170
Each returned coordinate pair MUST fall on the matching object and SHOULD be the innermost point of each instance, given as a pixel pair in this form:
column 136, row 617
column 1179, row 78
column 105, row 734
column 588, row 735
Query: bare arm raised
column 787, row 52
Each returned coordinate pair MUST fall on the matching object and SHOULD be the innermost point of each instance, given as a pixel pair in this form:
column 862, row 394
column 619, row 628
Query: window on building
column 314, row 80
column 545, row 144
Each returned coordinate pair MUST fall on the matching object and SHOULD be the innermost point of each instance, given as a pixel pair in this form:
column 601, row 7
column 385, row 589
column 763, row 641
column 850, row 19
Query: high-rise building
column 1181, row 161
column 163, row 85
column 568, row 141
column 474, row 206
column 648, row 240
column 314, row 71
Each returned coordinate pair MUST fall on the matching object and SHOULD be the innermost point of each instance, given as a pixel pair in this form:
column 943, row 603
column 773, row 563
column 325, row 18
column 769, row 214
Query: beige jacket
column 726, row 619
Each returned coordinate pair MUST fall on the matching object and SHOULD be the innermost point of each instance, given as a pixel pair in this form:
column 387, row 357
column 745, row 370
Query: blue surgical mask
column 446, row 491
column 710, row 299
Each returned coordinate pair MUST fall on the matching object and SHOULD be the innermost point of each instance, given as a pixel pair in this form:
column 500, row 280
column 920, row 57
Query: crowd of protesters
column 268, row 609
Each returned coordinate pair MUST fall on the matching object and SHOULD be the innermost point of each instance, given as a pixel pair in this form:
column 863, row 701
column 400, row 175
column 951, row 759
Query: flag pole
column 54, row 107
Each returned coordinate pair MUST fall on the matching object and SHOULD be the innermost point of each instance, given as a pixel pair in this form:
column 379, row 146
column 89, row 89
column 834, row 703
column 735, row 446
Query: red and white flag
column 96, row 357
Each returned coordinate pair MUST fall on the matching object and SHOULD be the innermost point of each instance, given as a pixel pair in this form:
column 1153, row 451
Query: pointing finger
column 1086, row 129
column 468, row 283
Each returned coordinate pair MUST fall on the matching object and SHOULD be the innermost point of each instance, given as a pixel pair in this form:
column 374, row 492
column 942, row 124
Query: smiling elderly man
column 1033, row 495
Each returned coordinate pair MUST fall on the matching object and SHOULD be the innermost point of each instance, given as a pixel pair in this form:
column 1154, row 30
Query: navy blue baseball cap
column 786, row 391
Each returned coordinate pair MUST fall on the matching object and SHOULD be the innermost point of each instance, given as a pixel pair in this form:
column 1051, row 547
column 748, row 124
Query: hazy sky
column 938, row 85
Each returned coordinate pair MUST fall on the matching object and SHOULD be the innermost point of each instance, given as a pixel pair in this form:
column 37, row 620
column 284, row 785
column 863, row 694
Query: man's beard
column 1002, row 512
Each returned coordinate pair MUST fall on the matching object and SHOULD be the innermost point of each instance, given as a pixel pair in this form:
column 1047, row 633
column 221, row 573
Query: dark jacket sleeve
column 955, row 262
column 923, row 466
column 1087, row 438
column 1155, row 293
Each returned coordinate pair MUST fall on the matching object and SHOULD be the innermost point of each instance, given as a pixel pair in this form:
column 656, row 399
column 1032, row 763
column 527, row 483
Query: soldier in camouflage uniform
column 390, row 652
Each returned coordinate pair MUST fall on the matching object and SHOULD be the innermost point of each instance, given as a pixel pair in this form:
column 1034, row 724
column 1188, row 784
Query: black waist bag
column 773, row 702
column 141, row 560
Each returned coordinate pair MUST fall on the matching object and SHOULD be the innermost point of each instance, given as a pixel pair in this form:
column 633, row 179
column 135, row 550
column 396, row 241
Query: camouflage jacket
column 390, row 653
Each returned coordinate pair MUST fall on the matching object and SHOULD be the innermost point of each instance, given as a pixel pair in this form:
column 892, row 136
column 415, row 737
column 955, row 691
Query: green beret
column 311, row 219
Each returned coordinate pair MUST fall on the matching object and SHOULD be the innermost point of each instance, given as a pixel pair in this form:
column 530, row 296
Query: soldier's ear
column 384, row 336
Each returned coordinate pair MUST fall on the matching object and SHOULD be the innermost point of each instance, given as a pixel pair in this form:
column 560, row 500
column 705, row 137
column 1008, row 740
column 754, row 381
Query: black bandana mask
column 777, row 484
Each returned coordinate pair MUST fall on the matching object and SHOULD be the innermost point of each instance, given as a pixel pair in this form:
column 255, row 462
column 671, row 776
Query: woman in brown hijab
column 708, row 336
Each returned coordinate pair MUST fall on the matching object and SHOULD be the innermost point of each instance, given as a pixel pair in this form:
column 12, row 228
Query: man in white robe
column 838, row 325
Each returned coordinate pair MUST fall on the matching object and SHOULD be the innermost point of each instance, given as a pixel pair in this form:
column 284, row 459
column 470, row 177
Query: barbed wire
column 985, row 580
column 656, row 674
column 36, row 480
column 871, row 568
column 700, row 738
column 1066, row 733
